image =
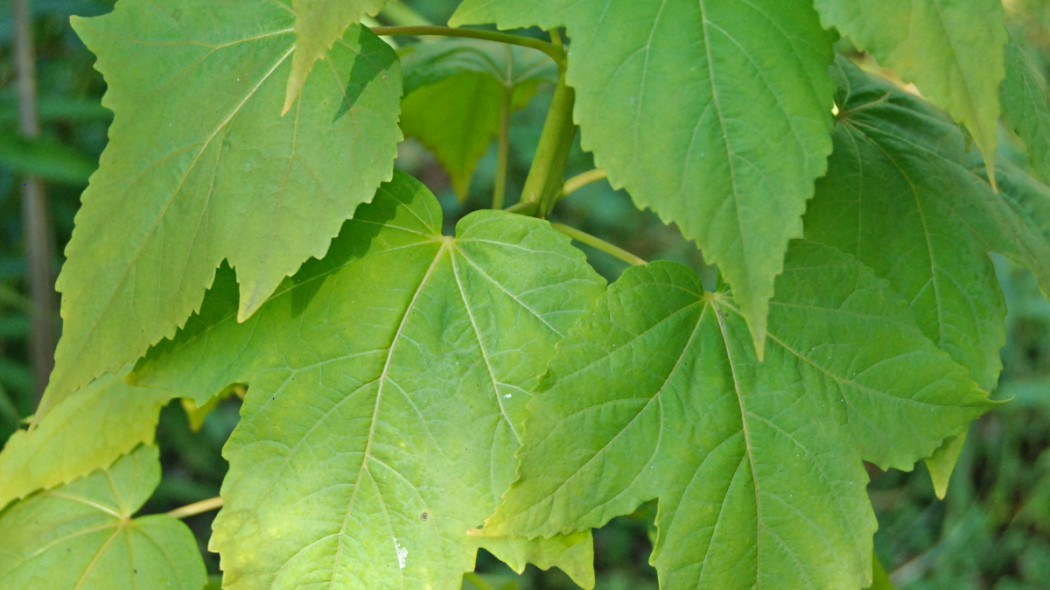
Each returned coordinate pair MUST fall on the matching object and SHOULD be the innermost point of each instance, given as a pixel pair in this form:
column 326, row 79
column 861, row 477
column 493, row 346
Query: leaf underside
column 657, row 393
column 714, row 114
column 201, row 167
column 384, row 408
column 453, row 96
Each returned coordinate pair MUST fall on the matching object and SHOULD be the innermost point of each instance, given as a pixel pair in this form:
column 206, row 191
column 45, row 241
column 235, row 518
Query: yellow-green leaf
column 82, row 535
column 201, row 167
column 386, row 396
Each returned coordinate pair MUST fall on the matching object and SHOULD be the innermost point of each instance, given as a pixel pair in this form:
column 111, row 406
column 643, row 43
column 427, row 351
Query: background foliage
column 992, row 530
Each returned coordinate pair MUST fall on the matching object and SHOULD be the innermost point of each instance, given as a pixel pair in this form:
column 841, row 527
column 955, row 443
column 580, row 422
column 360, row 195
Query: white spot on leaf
column 402, row 554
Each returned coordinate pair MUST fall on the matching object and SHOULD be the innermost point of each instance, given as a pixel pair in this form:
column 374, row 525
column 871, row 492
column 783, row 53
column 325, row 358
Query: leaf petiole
column 555, row 52
column 196, row 508
column 599, row 244
column 581, row 180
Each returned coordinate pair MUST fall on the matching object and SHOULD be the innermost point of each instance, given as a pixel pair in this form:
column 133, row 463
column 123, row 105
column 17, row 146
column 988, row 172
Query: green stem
column 499, row 189
column 555, row 53
column 581, row 180
column 598, row 243
column 522, row 208
column 197, row 508
column 544, row 182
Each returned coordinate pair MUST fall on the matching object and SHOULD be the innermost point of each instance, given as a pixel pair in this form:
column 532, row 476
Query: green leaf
column 942, row 463
column 87, row 431
column 900, row 196
column 319, row 24
column 714, row 114
column 657, row 393
column 453, row 96
column 1026, row 107
column 201, row 167
column 386, row 392
column 952, row 50
column 879, row 579
column 81, row 535
column 573, row 553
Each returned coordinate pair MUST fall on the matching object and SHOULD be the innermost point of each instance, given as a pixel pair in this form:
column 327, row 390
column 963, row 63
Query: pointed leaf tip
column 199, row 173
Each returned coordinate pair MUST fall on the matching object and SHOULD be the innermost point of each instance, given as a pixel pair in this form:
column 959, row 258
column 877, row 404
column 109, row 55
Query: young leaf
column 714, row 114
column 386, row 392
column 657, row 393
column 453, row 96
column 201, row 167
column 89, row 430
column 81, row 535
column 318, row 25
column 1026, row 107
column 952, row 50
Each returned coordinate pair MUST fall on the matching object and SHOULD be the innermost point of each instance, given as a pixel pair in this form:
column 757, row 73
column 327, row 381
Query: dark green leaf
column 756, row 465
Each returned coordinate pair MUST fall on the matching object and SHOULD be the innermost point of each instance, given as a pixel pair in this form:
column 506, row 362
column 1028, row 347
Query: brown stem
column 40, row 247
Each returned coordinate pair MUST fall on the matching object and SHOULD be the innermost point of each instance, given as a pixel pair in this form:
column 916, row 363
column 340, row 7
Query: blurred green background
column 991, row 531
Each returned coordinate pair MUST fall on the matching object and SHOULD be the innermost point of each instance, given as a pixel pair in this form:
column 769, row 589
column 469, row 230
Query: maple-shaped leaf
column 896, row 196
column 318, row 25
column 87, row 431
column 82, row 535
column 714, row 114
column 952, row 51
column 387, row 386
column 926, row 224
column 657, row 393
column 455, row 93
column 201, row 167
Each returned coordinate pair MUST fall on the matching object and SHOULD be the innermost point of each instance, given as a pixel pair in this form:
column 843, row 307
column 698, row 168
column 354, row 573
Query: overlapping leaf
column 714, row 114
column 387, row 385
column 201, row 167
column 951, row 49
column 81, row 535
column 902, row 195
column 88, row 431
column 756, row 465
column 1026, row 107
column 454, row 94
column 318, row 25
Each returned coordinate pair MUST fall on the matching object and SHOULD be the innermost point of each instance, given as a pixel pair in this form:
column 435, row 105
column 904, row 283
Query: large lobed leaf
column 81, row 535
column 387, row 390
column 951, row 49
column 714, row 114
column 89, row 430
column 901, row 197
column 657, row 393
column 201, row 167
